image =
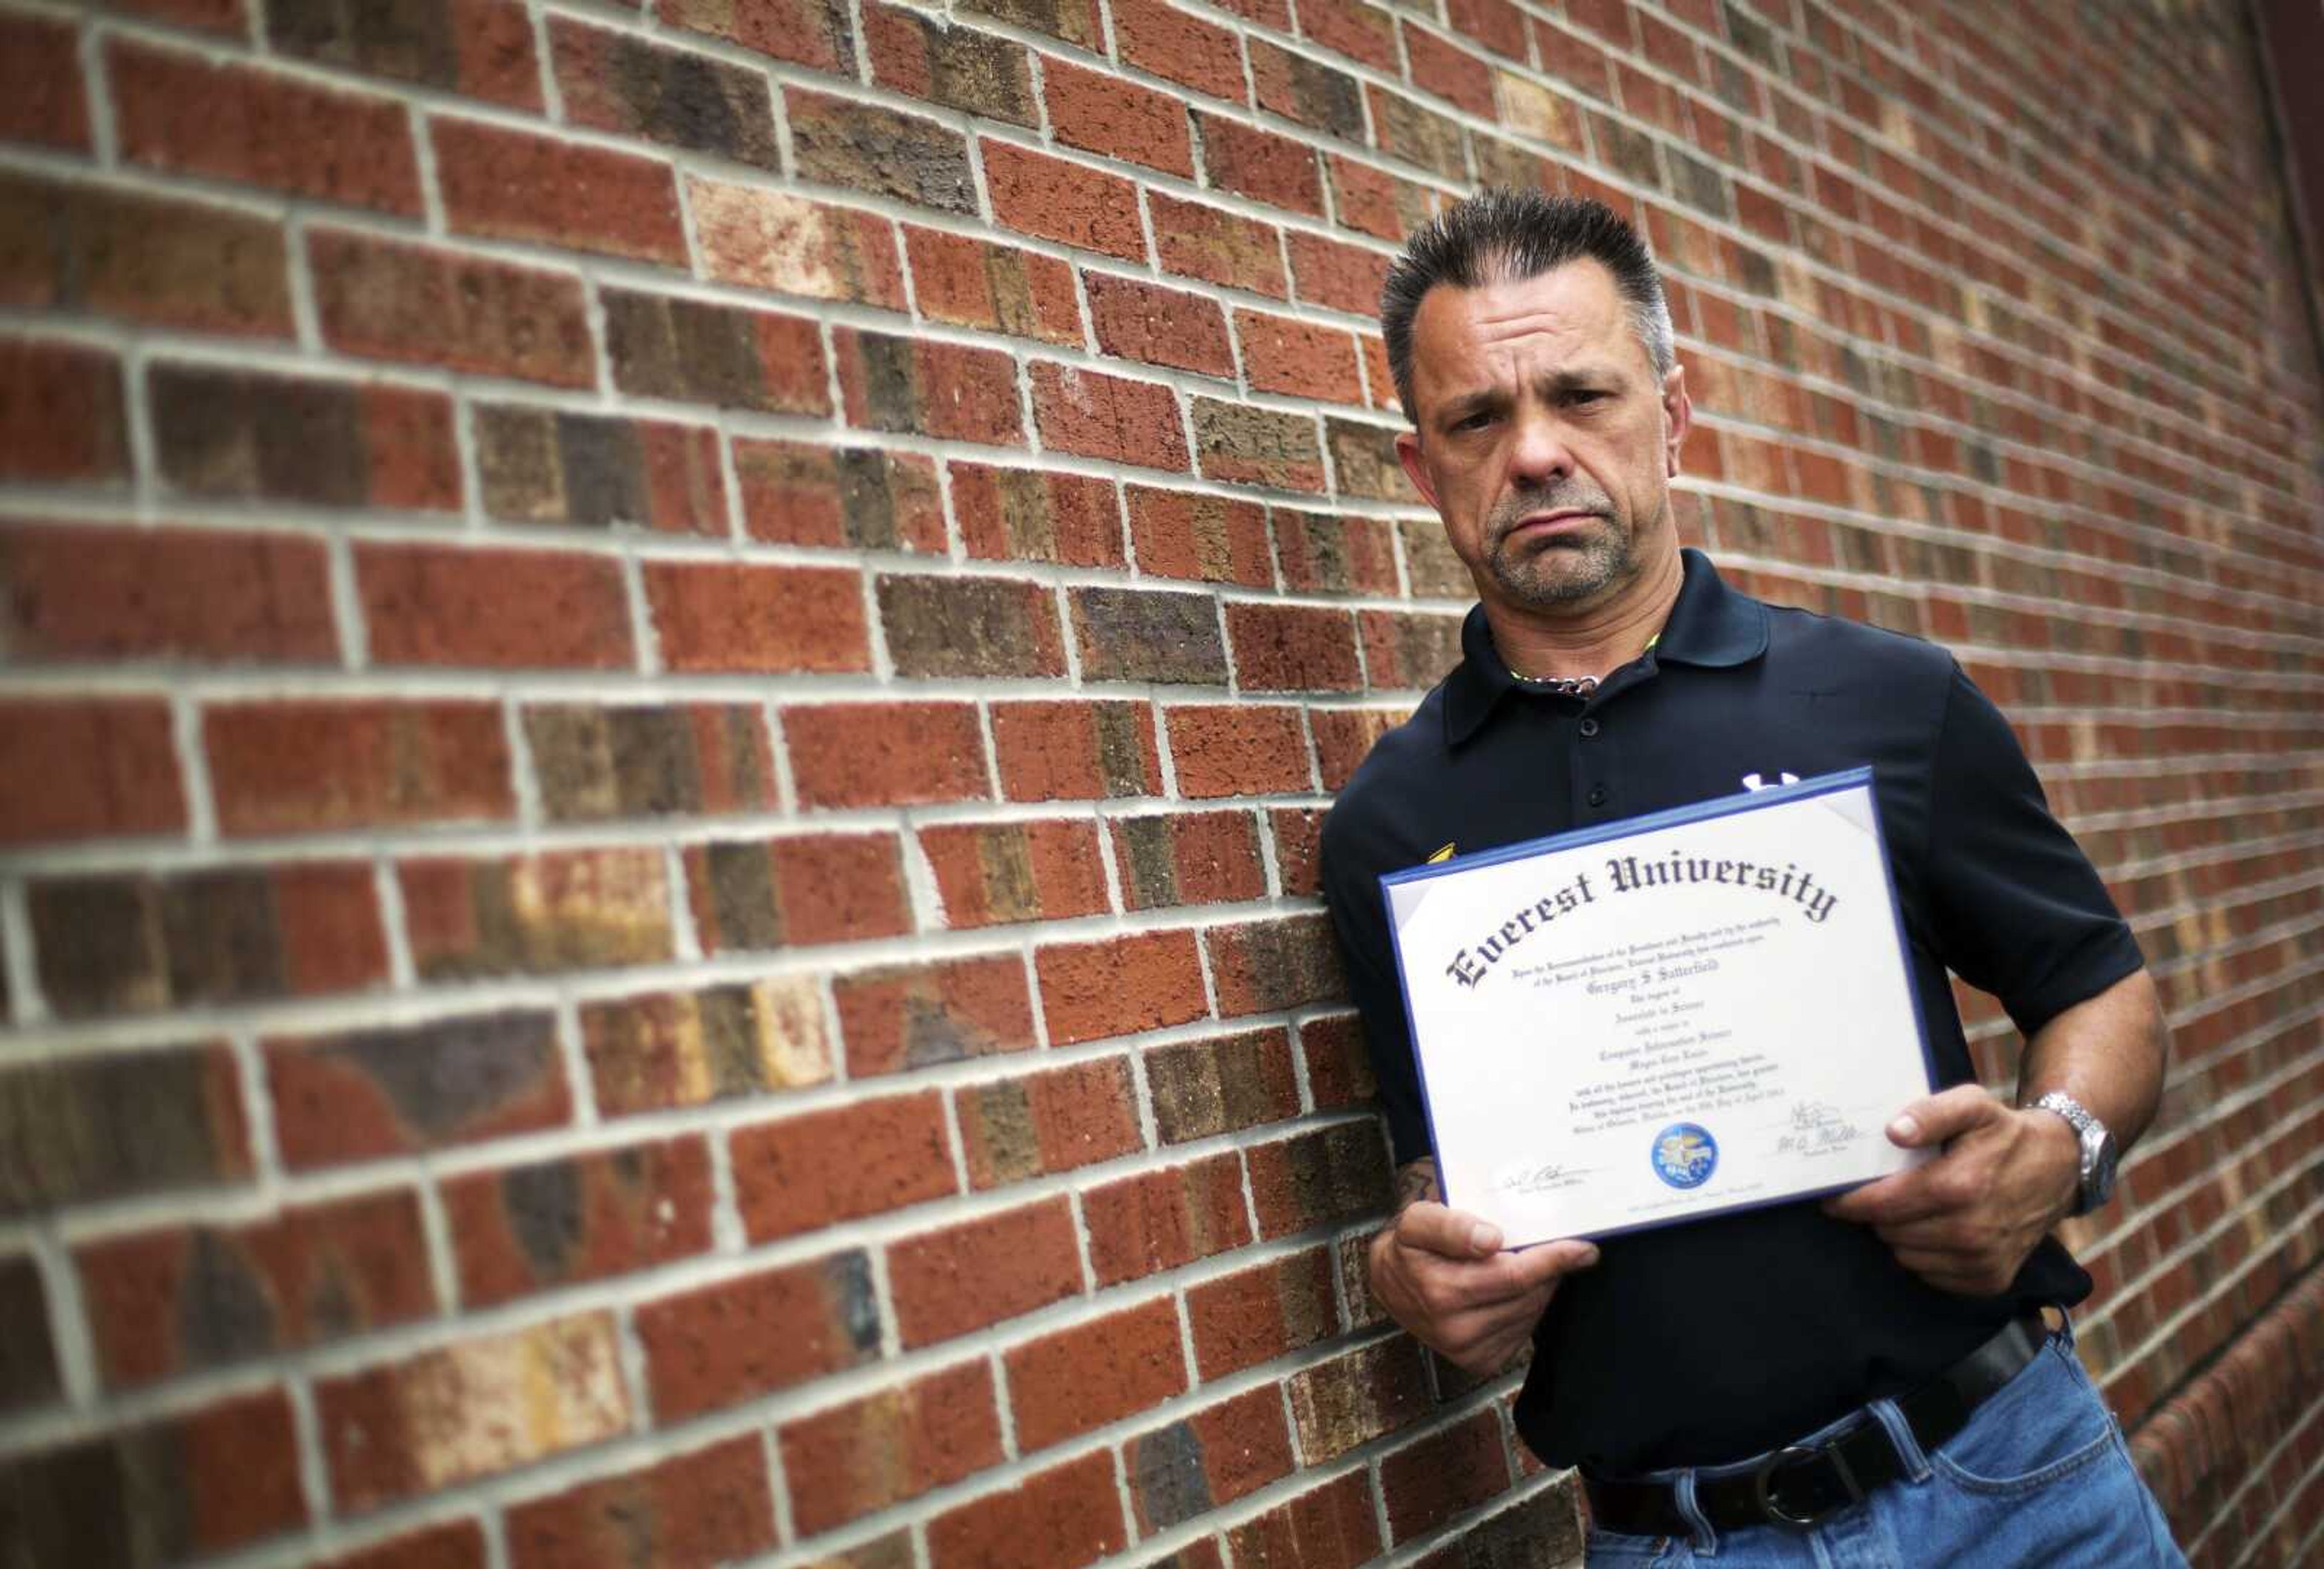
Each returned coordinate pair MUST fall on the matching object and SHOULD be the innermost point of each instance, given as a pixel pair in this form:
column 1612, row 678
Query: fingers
column 1431, row 1228
column 1908, row 1195
column 1935, row 1119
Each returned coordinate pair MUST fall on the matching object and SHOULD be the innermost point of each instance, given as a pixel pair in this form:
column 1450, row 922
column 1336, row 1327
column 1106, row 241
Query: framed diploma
column 1699, row 1011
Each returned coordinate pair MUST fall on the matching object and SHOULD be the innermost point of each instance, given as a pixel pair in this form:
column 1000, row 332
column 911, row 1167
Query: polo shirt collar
column 1710, row 625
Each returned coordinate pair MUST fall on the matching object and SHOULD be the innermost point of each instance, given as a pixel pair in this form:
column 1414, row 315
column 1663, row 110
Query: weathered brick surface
column 642, row 630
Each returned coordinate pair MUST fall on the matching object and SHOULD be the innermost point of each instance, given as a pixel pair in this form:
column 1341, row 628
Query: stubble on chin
column 1560, row 571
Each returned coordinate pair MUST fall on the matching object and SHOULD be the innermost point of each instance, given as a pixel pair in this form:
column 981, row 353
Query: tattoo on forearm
column 1415, row 1182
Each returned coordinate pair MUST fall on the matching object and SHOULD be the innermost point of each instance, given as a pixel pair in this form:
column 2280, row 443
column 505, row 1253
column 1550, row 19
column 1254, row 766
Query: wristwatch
column 2098, row 1149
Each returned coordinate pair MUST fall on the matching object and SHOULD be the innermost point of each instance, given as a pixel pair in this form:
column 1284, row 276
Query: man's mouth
column 1547, row 525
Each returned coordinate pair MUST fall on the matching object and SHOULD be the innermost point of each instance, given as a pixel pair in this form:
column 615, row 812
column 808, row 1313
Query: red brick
column 1336, row 274
column 1300, row 358
column 619, row 82
column 363, row 1094
column 550, row 466
column 167, row 1490
column 1188, row 858
column 1261, row 164
column 1217, row 246
column 860, row 498
column 1496, row 25
column 1070, row 203
column 915, row 1016
column 1237, row 750
column 1456, row 1468
column 512, row 185
column 860, row 754
column 973, row 282
column 171, row 1301
column 60, row 413
column 1372, row 201
column 453, row 1544
column 947, row 63
column 430, row 604
column 1439, row 68
column 1161, row 1220
column 1257, row 1314
column 691, row 1511
column 550, row 913
column 583, row 1217
column 809, row 32
column 170, row 264
column 1023, row 515
column 1344, row 738
column 887, row 1447
column 442, row 1418
column 182, row 115
column 1157, row 37
column 742, row 1338
column 1327, row 553
column 1103, row 112
column 303, row 767
column 821, row 1167
column 727, row 617
column 1043, row 1123
column 1331, row 1527
column 385, row 300
column 1264, row 966
column 1203, row 1088
column 1077, row 1378
column 1075, row 751
column 690, row 1049
column 1214, row 1457
column 1293, row 648
column 1062, row 1519
column 1136, row 319
column 119, row 592
column 1093, row 415
column 478, row 49
column 796, row 892
column 948, row 1282
column 41, row 98
column 1339, row 1067
column 997, row 873
column 250, row 435
column 936, row 388
column 101, row 1127
column 1324, row 1177
column 1206, row 538
column 1307, row 92
column 1408, row 649
column 772, row 239
column 80, row 769
column 1120, row 986
column 1361, row 32
column 663, row 347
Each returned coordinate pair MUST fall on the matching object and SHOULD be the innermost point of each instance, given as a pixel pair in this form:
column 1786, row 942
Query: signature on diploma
column 1817, row 1129
column 1547, row 1178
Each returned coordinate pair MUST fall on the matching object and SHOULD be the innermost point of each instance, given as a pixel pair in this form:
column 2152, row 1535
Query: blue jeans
column 2038, row 1477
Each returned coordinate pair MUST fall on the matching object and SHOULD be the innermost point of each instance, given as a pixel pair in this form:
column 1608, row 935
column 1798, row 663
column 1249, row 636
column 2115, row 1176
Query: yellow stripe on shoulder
column 1441, row 855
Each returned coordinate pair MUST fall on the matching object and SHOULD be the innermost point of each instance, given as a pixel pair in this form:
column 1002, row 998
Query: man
column 1876, row 1365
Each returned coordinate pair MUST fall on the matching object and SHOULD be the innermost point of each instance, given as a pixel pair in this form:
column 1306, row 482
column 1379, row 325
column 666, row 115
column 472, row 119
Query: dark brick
column 169, row 263
column 1214, row 1457
column 1073, row 22
column 1363, row 458
column 41, row 98
column 1188, row 858
column 601, row 762
column 1326, row 553
column 688, row 1048
column 365, row 1094
column 796, row 892
column 1265, row 966
column 28, row 1355
column 838, row 140
column 1304, row 89
column 1203, row 1088
column 1240, row 443
column 860, row 498
column 481, row 49
column 1417, row 135
column 83, row 1128
column 614, row 81
column 706, row 1507
column 1129, row 634
column 1457, row 1468
column 938, row 389
column 544, row 466
column 1408, row 649
column 246, row 435
column 1022, row 515
column 725, row 355
column 955, row 66
column 1329, row 1177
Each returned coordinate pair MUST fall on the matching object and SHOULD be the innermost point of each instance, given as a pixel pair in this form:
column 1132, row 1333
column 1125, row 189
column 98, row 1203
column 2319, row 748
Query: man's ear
column 1678, row 418
column 1416, row 467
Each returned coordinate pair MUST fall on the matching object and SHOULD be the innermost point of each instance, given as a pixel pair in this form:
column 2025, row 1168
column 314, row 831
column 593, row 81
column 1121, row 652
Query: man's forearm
column 2108, row 1052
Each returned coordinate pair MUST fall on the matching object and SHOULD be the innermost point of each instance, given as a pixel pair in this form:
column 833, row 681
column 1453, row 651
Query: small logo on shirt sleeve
column 1752, row 782
column 1437, row 857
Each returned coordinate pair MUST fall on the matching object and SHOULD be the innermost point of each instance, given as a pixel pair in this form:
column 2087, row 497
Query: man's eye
column 1476, row 421
column 1584, row 397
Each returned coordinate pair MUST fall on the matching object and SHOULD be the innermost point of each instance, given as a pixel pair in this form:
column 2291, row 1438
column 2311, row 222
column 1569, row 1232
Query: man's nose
column 1541, row 455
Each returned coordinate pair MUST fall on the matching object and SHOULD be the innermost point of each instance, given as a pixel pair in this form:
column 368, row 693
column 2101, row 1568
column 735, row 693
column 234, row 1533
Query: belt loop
column 1900, row 1434
column 1706, row 1540
column 2065, row 1330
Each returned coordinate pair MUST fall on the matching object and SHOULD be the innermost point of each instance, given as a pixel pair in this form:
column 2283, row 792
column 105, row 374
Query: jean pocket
column 2047, row 1425
column 1615, row 1547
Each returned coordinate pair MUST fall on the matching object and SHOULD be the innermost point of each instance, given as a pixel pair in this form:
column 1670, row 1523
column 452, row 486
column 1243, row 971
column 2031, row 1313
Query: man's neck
column 1588, row 639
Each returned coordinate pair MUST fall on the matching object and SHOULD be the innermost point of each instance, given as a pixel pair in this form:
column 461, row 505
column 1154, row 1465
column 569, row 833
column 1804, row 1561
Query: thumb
column 1939, row 1118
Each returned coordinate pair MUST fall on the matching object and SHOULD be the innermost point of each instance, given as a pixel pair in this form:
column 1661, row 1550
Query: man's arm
column 1967, row 1220
column 1441, row 1274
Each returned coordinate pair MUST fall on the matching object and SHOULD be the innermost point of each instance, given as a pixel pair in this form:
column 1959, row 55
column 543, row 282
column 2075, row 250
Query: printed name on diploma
column 1626, row 874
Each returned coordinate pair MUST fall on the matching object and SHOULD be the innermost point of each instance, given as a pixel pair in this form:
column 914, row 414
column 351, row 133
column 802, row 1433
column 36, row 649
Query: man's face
column 1544, row 439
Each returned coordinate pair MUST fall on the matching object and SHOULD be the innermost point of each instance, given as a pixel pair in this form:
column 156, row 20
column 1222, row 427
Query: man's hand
column 1441, row 1273
column 1966, row 1221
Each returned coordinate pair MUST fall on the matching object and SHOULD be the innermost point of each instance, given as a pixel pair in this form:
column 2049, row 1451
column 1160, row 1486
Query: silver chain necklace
column 1561, row 685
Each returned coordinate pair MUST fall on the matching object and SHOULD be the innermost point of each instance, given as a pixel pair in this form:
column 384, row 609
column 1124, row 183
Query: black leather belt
column 1798, row 1485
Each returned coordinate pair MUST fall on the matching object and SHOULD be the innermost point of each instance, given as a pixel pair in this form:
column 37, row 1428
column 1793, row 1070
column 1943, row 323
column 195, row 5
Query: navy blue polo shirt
column 1715, row 1340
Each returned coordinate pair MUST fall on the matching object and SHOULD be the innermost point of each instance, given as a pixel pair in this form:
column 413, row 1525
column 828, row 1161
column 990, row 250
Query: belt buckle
column 1765, row 1499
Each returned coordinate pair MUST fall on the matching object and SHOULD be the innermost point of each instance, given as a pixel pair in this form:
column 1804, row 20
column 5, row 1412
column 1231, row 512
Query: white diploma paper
column 1699, row 1011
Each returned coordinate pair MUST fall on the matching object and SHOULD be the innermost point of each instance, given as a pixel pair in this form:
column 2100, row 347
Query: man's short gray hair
column 1501, row 236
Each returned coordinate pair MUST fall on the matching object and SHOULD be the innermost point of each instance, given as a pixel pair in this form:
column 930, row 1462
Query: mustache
column 1582, row 497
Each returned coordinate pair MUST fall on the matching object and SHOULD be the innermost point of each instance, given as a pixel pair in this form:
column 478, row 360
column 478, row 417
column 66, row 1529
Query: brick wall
column 670, row 671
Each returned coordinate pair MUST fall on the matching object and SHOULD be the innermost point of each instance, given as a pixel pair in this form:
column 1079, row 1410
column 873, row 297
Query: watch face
column 2099, row 1155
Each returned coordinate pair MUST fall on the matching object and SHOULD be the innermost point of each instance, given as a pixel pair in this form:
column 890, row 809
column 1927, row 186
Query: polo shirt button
column 1597, row 795
column 1590, row 727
